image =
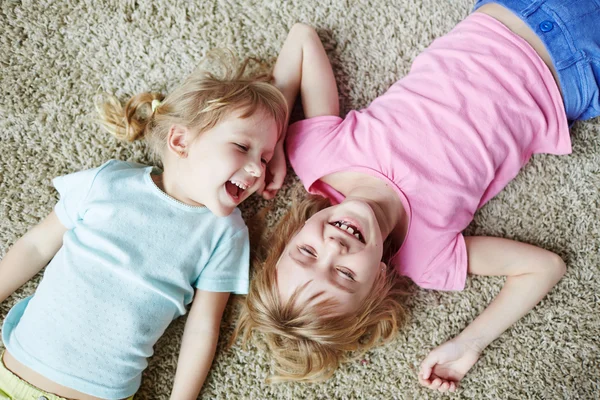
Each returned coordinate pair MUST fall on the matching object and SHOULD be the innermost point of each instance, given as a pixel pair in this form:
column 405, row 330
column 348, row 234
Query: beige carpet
column 55, row 55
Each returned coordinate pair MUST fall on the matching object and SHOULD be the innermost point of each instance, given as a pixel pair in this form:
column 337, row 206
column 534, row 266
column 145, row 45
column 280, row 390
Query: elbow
column 302, row 27
column 303, row 31
column 558, row 268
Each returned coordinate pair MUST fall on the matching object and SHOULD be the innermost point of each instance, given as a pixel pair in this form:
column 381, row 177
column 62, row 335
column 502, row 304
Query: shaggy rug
column 56, row 55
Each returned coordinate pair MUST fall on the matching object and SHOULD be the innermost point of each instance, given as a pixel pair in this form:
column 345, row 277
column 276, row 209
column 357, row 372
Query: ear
column 178, row 140
column 382, row 267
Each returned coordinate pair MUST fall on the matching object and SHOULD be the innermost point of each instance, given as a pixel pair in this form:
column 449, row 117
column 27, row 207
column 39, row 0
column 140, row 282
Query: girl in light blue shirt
column 129, row 246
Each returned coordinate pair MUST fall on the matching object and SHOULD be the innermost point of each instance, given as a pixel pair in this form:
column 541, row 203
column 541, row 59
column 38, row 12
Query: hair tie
column 155, row 104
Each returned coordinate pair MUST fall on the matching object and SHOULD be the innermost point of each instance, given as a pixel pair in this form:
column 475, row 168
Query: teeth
column 349, row 229
column 240, row 185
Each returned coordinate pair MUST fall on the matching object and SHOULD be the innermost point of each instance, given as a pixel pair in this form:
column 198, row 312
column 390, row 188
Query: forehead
column 251, row 115
column 258, row 124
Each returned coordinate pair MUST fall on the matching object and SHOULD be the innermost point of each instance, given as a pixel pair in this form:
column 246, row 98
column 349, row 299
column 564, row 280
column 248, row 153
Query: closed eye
column 242, row 147
column 345, row 273
column 307, row 251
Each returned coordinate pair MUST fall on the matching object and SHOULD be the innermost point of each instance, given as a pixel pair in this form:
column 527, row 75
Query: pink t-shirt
column 449, row 136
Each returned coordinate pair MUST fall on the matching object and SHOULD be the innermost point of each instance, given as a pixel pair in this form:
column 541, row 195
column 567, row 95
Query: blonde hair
column 309, row 342
column 200, row 102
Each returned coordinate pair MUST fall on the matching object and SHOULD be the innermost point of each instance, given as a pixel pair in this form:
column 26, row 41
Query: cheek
column 234, row 159
column 284, row 281
column 370, row 266
column 216, row 165
column 311, row 228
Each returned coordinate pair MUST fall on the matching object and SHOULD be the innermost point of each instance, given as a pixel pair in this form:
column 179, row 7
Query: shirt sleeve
column 227, row 269
column 73, row 190
column 448, row 271
column 311, row 146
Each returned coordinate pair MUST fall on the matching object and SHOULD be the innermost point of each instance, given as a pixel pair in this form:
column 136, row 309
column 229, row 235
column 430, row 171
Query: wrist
column 474, row 342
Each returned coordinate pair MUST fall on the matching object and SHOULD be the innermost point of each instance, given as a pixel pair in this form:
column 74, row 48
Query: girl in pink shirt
column 395, row 185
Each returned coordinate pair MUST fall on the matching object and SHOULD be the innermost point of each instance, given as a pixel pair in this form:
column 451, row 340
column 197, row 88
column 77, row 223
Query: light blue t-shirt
column 129, row 265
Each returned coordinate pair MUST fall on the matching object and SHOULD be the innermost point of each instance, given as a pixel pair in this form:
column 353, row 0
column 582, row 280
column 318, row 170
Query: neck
column 167, row 182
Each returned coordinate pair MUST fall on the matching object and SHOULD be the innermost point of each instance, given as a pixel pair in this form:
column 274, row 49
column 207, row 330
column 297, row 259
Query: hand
column 274, row 174
column 446, row 365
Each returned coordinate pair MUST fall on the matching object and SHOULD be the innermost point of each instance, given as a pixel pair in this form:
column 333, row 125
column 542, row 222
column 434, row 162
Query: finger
column 427, row 365
column 277, row 181
column 273, row 187
column 445, row 386
column 424, row 382
column 452, row 387
column 437, row 382
column 269, row 194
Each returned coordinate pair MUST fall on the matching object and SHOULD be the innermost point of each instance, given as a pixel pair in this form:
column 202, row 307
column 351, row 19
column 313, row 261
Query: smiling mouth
column 235, row 189
column 349, row 229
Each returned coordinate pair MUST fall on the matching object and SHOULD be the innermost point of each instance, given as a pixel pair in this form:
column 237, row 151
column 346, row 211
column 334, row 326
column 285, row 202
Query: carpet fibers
column 55, row 56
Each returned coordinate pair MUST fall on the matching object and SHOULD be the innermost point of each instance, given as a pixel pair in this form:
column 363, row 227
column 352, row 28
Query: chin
column 221, row 211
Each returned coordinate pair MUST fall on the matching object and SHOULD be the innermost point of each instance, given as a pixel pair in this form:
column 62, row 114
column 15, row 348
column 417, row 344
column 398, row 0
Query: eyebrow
column 332, row 281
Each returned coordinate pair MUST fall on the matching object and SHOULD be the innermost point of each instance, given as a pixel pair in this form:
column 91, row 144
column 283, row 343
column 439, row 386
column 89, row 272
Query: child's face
column 329, row 257
column 226, row 164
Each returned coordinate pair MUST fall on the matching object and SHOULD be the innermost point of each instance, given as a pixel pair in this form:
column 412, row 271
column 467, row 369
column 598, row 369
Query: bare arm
column 199, row 342
column 30, row 254
column 530, row 274
column 302, row 66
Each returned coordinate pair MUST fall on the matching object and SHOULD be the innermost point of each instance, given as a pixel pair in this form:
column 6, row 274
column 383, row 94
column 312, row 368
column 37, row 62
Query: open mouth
column 235, row 189
column 350, row 229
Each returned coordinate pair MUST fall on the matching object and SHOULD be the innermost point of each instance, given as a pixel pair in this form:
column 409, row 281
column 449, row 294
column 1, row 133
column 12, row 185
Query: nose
column 254, row 169
column 332, row 249
column 336, row 244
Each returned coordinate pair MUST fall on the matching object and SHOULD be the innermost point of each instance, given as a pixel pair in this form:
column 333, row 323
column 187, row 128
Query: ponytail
column 127, row 123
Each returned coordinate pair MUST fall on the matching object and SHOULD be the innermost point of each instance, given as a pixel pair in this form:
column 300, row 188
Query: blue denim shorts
column 570, row 30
